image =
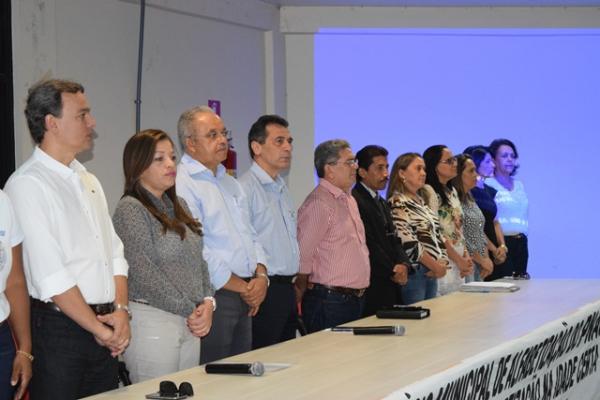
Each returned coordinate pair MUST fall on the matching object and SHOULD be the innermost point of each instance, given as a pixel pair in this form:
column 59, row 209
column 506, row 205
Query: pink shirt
column 331, row 236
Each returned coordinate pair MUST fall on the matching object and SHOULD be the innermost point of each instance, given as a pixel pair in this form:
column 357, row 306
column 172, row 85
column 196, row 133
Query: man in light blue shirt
column 274, row 220
column 236, row 260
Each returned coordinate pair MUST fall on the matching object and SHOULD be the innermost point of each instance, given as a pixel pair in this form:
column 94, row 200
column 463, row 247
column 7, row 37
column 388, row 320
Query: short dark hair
column 258, row 130
column 477, row 153
column 365, row 157
column 43, row 98
column 495, row 145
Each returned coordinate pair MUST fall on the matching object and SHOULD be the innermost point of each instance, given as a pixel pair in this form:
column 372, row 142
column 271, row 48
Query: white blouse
column 513, row 207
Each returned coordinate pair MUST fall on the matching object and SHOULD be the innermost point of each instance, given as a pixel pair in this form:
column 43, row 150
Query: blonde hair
column 396, row 184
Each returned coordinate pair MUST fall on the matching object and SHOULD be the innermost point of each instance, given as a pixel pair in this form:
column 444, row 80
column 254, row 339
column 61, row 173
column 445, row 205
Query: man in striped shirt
column 334, row 259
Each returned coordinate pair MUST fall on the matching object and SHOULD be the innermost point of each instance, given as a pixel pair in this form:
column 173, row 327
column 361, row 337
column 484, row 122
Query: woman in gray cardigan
column 169, row 288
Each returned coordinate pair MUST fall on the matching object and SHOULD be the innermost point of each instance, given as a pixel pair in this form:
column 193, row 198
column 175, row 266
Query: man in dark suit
column 389, row 263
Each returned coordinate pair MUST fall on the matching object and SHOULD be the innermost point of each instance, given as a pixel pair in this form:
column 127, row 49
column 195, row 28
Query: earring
column 402, row 179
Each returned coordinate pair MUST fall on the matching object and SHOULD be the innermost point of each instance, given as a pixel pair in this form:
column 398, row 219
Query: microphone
column 397, row 330
column 256, row 368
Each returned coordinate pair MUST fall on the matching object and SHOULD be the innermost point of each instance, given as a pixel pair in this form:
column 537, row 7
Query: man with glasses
column 236, row 260
column 334, row 259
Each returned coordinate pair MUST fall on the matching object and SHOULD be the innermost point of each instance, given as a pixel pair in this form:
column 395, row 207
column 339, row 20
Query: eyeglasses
column 450, row 161
column 212, row 135
column 351, row 163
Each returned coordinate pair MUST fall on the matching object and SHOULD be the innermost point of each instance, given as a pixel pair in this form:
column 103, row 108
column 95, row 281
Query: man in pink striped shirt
column 334, row 259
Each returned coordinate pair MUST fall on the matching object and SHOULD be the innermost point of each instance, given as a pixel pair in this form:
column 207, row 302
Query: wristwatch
column 124, row 308
column 213, row 300
column 264, row 276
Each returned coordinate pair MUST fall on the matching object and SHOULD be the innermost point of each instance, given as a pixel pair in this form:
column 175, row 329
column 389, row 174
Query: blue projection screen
column 409, row 89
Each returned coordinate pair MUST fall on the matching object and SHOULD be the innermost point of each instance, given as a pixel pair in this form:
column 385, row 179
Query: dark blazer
column 385, row 247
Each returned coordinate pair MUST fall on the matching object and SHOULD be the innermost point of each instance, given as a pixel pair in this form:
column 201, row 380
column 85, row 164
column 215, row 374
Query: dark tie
column 381, row 206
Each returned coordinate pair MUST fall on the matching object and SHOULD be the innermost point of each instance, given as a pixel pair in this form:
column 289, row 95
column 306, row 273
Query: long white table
column 340, row 365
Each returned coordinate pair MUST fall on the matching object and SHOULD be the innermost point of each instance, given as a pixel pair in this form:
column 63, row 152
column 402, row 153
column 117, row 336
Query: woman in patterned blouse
column 476, row 241
column 418, row 227
column 169, row 288
column 484, row 197
column 443, row 199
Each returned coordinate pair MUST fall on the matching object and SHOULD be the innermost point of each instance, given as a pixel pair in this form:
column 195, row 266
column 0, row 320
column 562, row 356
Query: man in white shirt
column 74, row 264
column 236, row 260
column 274, row 220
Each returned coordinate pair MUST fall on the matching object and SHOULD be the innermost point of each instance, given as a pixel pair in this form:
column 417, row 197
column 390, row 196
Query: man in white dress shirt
column 74, row 265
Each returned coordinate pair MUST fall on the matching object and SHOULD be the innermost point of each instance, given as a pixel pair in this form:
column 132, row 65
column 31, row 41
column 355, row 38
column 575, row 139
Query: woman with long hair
column 475, row 239
column 513, row 206
column 484, row 197
column 169, row 289
column 443, row 199
column 418, row 227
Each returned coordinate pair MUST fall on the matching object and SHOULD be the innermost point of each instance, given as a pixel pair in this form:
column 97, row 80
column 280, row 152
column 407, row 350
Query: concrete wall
column 193, row 51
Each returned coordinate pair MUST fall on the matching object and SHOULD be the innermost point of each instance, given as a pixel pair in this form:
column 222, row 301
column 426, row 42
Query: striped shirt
column 331, row 236
column 418, row 227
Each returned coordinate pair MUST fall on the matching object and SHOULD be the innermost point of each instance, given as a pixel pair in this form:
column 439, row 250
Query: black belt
column 98, row 309
column 286, row 279
column 342, row 290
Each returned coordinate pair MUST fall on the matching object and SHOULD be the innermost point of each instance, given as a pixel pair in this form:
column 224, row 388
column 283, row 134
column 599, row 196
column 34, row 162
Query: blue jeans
column 7, row 355
column 419, row 287
column 323, row 308
column 476, row 275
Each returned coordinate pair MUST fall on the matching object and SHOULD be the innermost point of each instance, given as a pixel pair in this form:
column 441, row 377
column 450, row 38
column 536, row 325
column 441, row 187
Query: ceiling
column 438, row 3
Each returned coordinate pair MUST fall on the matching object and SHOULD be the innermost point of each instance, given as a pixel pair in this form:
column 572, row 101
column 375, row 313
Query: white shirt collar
column 371, row 191
column 51, row 163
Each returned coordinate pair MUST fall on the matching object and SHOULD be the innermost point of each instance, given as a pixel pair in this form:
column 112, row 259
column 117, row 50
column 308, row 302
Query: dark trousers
column 380, row 293
column 231, row 331
column 323, row 308
column 500, row 271
column 7, row 355
column 518, row 253
column 69, row 363
column 277, row 318
column 516, row 258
